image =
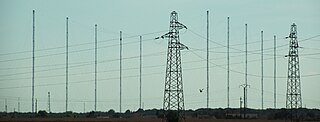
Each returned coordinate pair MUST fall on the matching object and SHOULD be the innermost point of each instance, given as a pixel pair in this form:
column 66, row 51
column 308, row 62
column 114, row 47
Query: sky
column 150, row 19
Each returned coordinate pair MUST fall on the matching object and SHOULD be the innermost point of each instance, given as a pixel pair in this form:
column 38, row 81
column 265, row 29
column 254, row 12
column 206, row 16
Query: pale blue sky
column 150, row 18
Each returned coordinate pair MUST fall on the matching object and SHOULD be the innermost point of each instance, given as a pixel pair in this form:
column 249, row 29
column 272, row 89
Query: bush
column 140, row 110
column 127, row 112
column 42, row 114
column 111, row 111
column 91, row 114
column 116, row 115
column 70, row 114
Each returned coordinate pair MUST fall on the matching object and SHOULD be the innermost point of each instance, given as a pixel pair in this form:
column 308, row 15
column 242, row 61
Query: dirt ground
column 122, row 120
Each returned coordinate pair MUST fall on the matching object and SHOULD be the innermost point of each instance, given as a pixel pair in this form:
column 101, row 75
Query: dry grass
column 122, row 120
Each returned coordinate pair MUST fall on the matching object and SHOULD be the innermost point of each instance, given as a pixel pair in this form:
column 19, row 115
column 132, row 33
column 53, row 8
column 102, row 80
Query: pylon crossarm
column 182, row 46
column 181, row 26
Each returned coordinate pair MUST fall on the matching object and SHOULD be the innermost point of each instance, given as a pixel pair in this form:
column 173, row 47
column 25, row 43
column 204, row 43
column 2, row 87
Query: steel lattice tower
column 173, row 91
column 294, row 100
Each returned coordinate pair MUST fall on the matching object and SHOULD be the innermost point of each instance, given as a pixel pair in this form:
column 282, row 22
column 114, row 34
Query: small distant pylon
column 5, row 106
column 49, row 109
column 294, row 100
column 245, row 90
column 173, row 104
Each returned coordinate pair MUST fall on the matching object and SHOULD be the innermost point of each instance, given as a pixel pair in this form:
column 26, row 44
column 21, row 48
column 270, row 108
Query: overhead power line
column 104, row 61
column 75, row 51
column 80, row 44
column 271, row 48
column 239, row 72
column 84, row 64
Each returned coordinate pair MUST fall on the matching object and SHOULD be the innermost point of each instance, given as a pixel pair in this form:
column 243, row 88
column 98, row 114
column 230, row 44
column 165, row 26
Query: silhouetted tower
column 262, row 70
column 228, row 62
column 120, row 78
column 84, row 107
column 274, row 72
column 140, row 71
column 294, row 100
column 245, row 96
column 173, row 92
column 36, row 108
column 49, row 109
column 95, row 65
column 33, row 57
column 240, row 107
column 207, row 59
column 67, row 75
column 6, row 106
column 245, row 87
column 19, row 104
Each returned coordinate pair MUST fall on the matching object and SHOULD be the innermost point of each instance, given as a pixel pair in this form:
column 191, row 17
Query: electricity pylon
column 173, row 104
column 294, row 100
column 245, row 90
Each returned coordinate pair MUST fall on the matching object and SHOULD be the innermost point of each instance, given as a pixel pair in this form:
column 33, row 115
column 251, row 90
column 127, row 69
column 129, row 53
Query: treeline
column 219, row 113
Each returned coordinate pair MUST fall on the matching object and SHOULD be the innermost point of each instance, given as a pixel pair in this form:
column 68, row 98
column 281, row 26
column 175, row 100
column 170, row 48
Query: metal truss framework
column 294, row 100
column 173, row 91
